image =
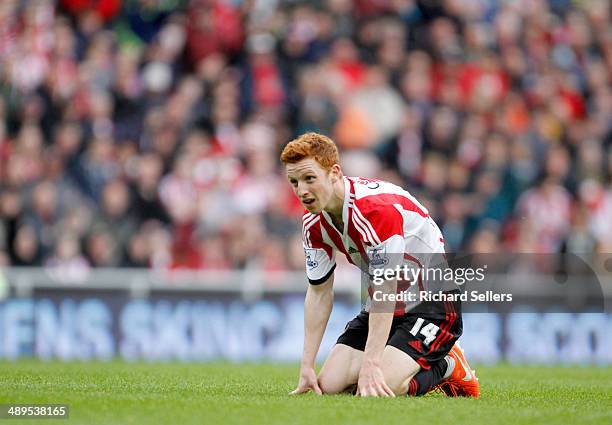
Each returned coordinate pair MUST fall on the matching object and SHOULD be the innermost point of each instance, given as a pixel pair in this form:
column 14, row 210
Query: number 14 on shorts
column 429, row 331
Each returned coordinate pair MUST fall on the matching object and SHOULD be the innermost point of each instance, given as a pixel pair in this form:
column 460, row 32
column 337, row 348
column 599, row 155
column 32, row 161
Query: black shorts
column 427, row 333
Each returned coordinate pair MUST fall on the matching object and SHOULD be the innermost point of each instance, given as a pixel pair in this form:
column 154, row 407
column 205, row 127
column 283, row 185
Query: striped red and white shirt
column 383, row 223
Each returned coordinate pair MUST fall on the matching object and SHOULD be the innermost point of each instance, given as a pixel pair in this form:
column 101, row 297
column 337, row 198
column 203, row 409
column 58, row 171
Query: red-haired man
column 410, row 348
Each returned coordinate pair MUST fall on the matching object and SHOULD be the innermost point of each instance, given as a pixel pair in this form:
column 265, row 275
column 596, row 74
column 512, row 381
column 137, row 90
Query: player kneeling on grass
column 384, row 351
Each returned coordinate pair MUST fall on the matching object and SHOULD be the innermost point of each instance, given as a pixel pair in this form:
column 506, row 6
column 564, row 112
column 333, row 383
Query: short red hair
column 311, row 145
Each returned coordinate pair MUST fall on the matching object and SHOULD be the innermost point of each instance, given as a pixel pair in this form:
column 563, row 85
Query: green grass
column 220, row 393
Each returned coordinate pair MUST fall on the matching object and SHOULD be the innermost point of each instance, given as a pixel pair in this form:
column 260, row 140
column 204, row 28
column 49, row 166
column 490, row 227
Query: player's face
column 311, row 183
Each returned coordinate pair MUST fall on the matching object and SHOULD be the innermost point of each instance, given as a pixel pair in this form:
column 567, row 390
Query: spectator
column 66, row 262
column 146, row 134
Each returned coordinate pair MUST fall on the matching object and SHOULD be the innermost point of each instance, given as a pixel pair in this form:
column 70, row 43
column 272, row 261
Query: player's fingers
column 385, row 388
column 380, row 390
column 359, row 392
column 298, row 390
column 316, row 388
column 388, row 390
column 368, row 391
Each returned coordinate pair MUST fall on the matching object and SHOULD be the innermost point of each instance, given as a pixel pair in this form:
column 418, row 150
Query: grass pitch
column 221, row 393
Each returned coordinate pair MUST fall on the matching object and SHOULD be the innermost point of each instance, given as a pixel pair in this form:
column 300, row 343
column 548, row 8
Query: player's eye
column 310, row 178
column 293, row 182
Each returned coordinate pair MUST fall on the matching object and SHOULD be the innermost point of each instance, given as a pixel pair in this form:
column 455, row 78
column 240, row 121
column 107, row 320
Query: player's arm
column 317, row 309
column 371, row 380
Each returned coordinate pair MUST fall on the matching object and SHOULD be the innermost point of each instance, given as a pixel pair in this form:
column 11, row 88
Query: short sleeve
column 319, row 265
column 320, row 256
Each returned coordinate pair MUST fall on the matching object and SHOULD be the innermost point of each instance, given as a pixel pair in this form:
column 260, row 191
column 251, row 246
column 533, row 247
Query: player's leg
column 428, row 379
column 398, row 369
column 406, row 377
column 426, row 337
column 411, row 365
column 340, row 370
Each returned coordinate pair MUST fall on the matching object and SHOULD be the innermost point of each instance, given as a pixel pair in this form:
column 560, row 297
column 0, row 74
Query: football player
column 410, row 348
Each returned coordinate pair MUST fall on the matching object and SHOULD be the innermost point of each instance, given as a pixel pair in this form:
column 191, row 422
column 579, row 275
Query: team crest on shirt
column 311, row 262
column 378, row 256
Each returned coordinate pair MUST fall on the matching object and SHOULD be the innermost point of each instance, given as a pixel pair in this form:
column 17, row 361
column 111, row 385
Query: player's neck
column 336, row 203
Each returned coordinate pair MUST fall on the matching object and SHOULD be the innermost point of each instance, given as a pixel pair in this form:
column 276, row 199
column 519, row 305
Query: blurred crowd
column 146, row 133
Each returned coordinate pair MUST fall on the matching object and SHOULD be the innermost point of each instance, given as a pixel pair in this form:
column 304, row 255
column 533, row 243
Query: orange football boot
column 461, row 381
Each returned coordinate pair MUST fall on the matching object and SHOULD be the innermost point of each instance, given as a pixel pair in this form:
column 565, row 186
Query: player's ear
column 336, row 173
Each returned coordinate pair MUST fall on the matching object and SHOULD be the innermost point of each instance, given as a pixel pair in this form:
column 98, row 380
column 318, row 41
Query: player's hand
column 372, row 383
column 308, row 382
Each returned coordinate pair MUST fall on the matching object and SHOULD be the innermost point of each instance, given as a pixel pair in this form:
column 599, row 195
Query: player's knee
column 330, row 384
column 399, row 385
column 398, row 369
column 396, row 379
